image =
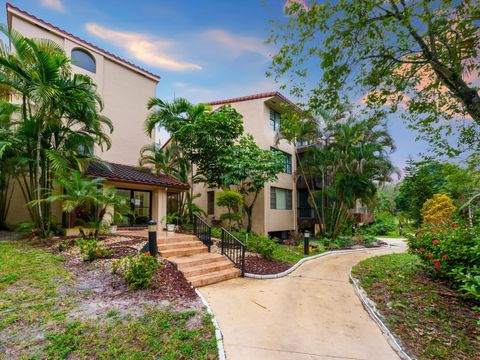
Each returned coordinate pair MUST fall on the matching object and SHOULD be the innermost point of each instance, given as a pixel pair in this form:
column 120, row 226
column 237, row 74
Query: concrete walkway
column 312, row 313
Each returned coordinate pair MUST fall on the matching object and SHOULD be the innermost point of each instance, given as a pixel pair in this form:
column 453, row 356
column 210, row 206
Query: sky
column 204, row 50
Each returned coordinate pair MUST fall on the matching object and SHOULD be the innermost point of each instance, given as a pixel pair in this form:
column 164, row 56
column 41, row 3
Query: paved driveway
column 312, row 313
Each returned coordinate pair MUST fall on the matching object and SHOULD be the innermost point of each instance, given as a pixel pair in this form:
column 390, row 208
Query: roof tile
column 131, row 174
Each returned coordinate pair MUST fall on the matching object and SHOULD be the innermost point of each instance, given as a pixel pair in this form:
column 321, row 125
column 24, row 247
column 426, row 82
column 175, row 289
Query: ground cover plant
column 431, row 320
column 451, row 251
column 55, row 306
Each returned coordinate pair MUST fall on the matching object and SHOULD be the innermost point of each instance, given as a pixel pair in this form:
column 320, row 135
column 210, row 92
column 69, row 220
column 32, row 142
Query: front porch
column 149, row 196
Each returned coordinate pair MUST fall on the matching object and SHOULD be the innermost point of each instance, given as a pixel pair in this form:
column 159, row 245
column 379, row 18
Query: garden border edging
column 218, row 332
column 304, row 260
column 372, row 311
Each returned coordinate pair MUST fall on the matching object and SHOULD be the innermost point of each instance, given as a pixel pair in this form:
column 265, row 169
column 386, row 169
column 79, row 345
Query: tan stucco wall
column 125, row 94
column 256, row 115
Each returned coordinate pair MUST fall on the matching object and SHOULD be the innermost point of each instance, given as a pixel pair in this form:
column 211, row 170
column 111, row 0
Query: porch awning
column 133, row 175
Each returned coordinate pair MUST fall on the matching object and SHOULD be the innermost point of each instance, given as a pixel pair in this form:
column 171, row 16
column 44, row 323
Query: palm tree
column 8, row 144
column 163, row 160
column 78, row 191
column 59, row 115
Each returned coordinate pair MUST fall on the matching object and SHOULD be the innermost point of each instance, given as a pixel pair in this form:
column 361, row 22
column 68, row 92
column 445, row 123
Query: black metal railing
column 202, row 230
column 305, row 212
column 234, row 249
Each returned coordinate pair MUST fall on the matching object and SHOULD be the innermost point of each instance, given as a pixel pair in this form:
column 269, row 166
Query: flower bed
column 452, row 252
column 431, row 320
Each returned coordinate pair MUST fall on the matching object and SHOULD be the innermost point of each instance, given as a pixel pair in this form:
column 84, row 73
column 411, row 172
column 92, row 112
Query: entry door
column 140, row 206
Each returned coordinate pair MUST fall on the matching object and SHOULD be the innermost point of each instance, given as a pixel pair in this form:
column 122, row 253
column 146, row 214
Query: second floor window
column 274, row 120
column 280, row 199
column 287, row 160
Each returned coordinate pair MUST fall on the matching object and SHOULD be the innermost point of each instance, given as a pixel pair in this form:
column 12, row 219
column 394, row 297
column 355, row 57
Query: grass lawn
column 37, row 318
column 292, row 254
column 428, row 317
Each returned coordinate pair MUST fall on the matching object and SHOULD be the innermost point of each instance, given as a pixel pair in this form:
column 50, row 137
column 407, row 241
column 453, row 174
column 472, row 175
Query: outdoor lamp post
column 306, row 242
column 152, row 237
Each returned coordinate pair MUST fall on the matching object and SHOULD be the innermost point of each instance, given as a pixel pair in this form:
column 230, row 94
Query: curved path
column 313, row 313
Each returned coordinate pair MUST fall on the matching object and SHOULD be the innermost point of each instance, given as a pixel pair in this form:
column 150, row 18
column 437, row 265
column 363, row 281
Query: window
column 84, row 60
column 274, row 120
column 287, row 160
column 211, row 202
column 280, row 199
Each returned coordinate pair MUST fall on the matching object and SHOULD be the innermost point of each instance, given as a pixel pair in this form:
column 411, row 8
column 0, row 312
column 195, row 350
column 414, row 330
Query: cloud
column 185, row 90
column 56, row 5
column 149, row 50
column 236, row 45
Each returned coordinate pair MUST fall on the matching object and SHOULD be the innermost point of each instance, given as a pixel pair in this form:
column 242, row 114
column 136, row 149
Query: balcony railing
column 305, row 212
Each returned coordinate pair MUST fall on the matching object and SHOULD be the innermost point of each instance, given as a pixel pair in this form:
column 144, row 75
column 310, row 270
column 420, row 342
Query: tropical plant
column 417, row 54
column 91, row 249
column 8, row 152
column 59, row 118
column 451, row 251
column 81, row 192
column 138, row 270
column 248, row 169
column 437, row 210
column 202, row 135
column 162, row 159
column 232, row 200
column 349, row 159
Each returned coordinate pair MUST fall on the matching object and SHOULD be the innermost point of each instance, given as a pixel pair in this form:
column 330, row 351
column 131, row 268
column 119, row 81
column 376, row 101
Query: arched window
column 83, row 59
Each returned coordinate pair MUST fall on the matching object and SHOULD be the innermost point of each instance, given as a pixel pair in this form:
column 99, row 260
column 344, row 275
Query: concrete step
column 179, row 245
column 212, row 278
column 188, row 261
column 184, row 251
column 176, row 239
column 208, row 268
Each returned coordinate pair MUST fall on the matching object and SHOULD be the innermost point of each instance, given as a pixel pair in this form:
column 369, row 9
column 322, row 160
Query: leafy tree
column 202, row 135
column 232, row 200
column 349, row 159
column 249, row 168
column 422, row 180
column 419, row 54
column 60, row 118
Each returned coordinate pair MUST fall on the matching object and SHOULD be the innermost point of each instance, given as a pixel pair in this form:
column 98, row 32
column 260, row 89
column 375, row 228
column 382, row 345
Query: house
column 275, row 211
column 125, row 89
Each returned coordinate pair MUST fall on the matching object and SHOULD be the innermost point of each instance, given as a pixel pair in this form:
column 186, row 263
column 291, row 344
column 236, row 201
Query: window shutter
column 289, row 199
column 273, row 198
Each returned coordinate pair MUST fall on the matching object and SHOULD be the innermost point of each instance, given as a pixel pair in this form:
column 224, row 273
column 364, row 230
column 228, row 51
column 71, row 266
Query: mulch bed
column 170, row 283
column 261, row 266
column 430, row 318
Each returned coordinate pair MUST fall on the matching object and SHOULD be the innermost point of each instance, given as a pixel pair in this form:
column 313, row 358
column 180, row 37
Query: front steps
column 192, row 258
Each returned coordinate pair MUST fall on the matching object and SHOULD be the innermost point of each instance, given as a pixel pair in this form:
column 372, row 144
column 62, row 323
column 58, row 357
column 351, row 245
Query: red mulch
column 170, row 282
column 261, row 266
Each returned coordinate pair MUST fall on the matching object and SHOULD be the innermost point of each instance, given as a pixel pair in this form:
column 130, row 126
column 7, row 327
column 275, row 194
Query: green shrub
column 384, row 224
column 233, row 201
column 261, row 245
column 91, row 249
column 137, row 270
column 451, row 251
column 216, row 232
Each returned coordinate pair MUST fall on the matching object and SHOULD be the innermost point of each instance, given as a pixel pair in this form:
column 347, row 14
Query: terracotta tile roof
column 131, row 174
column 83, row 42
column 251, row 97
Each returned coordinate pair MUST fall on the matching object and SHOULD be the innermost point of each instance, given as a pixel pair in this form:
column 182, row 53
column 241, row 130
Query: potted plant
column 170, row 220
